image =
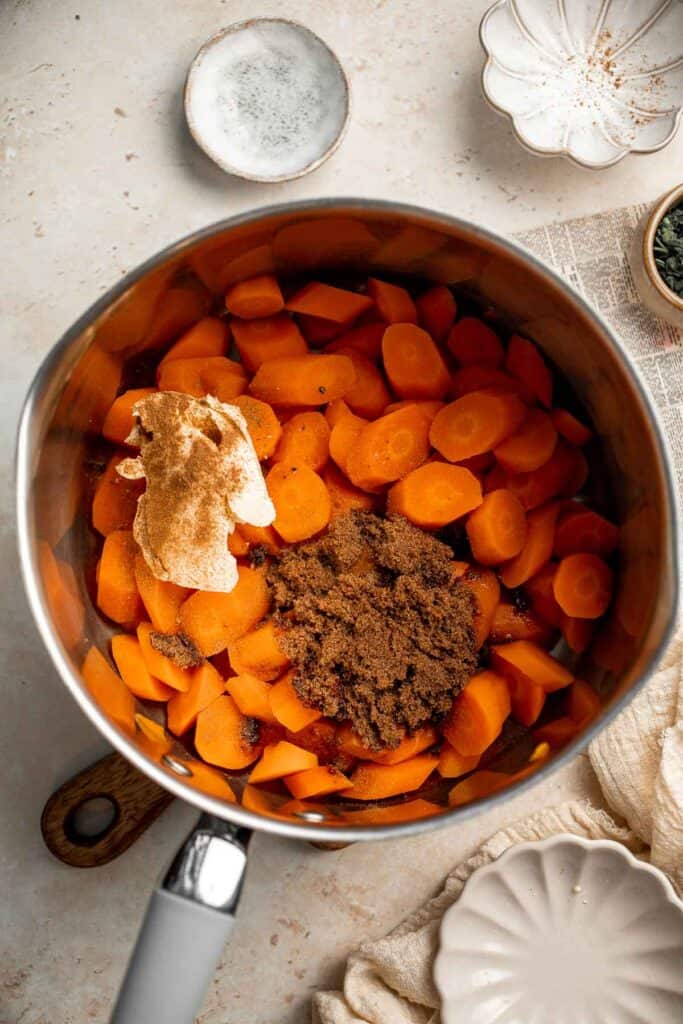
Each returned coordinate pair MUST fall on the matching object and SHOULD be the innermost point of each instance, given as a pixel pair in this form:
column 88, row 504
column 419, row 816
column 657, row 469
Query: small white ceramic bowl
column 564, row 931
column 653, row 291
column 267, row 100
column 591, row 80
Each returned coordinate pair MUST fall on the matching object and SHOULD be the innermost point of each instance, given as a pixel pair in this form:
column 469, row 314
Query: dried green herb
column 668, row 249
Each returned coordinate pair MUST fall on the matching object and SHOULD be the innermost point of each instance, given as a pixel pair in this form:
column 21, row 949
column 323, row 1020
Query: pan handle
column 187, row 923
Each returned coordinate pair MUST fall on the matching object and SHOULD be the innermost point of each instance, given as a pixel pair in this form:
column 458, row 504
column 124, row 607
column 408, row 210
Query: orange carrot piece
column 380, row 781
column 220, row 735
column 583, row 703
column 538, row 547
column 198, row 377
column 557, row 733
column 158, row 665
column 117, row 592
column 272, row 337
column 577, row 633
column 365, row 339
column 479, row 377
column 259, row 653
column 302, row 503
column 570, row 428
column 287, row 706
column 458, row 569
column 318, row 332
column 343, row 495
column 389, row 448
column 109, row 691
column 497, row 529
column 473, row 341
column 436, row 309
column 251, row 695
column 476, row 786
column 394, row 304
column 583, row 586
column 305, row 441
column 428, row 407
column 155, row 741
column 526, row 364
column 539, row 590
column 484, row 585
column 344, row 438
column 336, row 411
column 119, row 422
column 262, row 423
column 523, row 660
column 559, row 475
column 115, row 500
column 127, row 654
column 256, row 297
column 208, row 337
column 303, row 380
column 281, row 759
column 318, row 781
column 477, row 714
column 513, row 623
column 261, row 537
column 369, row 394
column 435, row 494
column 475, row 423
column 162, row 600
column 328, row 303
column 320, row 737
column 183, row 708
column 208, row 780
column 214, row 620
column 527, row 700
column 411, row 810
column 452, row 764
column 219, row 379
column 530, row 446
column 262, row 802
column 582, row 531
column 413, row 363
column 410, row 746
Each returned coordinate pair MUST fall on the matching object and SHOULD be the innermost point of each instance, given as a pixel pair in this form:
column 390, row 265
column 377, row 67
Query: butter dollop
column 203, row 476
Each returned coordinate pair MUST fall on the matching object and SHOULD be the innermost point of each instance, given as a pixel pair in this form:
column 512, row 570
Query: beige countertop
column 97, row 172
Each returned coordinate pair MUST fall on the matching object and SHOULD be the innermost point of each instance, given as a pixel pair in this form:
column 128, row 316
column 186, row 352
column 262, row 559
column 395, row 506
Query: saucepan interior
column 136, row 320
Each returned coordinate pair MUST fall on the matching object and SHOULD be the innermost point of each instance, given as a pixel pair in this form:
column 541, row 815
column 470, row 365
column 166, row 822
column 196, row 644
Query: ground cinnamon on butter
column 378, row 631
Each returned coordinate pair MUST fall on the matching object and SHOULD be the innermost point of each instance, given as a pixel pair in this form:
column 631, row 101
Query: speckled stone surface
column 97, row 172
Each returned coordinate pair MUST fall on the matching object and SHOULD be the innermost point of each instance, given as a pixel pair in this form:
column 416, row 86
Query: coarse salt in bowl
column 267, row 99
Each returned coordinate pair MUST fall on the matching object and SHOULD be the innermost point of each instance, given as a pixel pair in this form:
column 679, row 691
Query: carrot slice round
column 413, row 363
column 497, row 529
column 301, row 499
column 475, row 423
column 529, row 447
column 435, row 494
column 583, row 586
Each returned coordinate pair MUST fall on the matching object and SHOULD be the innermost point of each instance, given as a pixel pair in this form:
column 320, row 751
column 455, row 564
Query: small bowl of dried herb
column 657, row 258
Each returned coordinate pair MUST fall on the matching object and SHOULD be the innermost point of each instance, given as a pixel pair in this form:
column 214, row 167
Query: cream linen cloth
column 638, row 760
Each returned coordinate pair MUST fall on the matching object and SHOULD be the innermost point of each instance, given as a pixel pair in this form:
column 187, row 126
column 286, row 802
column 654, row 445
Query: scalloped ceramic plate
column 591, row 80
column 564, row 931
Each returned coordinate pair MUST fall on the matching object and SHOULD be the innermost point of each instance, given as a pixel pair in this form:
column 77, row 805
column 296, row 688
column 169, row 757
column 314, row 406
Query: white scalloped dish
column 563, row 931
column 591, row 80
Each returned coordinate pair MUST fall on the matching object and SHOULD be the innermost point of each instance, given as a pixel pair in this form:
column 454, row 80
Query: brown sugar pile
column 178, row 647
column 377, row 629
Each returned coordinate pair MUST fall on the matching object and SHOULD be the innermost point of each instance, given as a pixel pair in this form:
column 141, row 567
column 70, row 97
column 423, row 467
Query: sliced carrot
column 237, row 544
column 320, row 737
column 526, row 364
column 538, row 547
column 109, row 691
column 198, row 377
column 557, row 733
column 369, row 394
column 262, row 802
column 475, row 423
column 155, row 741
column 272, row 337
column 583, row 703
column 127, row 654
column 305, row 441
column 318, row 332
column 219, row 379
column 302, row 503
column 484, row 585
column 452, row 764
column 119, row 422
column 436, row 310
column 316, row 782
column 162, row 600
column 411, row 810
column 582, row 531
column 183, row 708
column 413, row 363
column 559, row 474
column 513, row 623
column 159, row 666
column 479, row 377
column 344, row 438
column 379, row 781
column 214, row 620
column 583, row 586
column 409, row 746
column 530, row 446
column 473, row 341
column 221, row 735
column 115, row 500
column 256, row 297
column 262, row 423
column 343, row 495
column 336, row 411
column 394, row 304
column 497, row 529
column 208, row 337
column 259, row 652
column 435, row 494
column 281, row 759
column 287, row 706
column 117, row 592
column 208, row 780
column 476, row 786
column 577, row 633
column 523, row 660
column 428, row 407
column 365, row 339
column 459, row 569
column 389, row 448
column 477, row 714
column 570, row 428
column 303, row 380
column 251, row 694
column 328, row 303
column 261, row 537
column 527, row 700
column 539, row 590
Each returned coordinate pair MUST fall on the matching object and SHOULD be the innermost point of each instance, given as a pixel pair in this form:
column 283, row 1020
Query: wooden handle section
column 127, row 803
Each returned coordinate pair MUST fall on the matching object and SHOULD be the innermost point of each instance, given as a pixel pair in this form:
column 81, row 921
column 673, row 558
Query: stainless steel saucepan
column 191, row 912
